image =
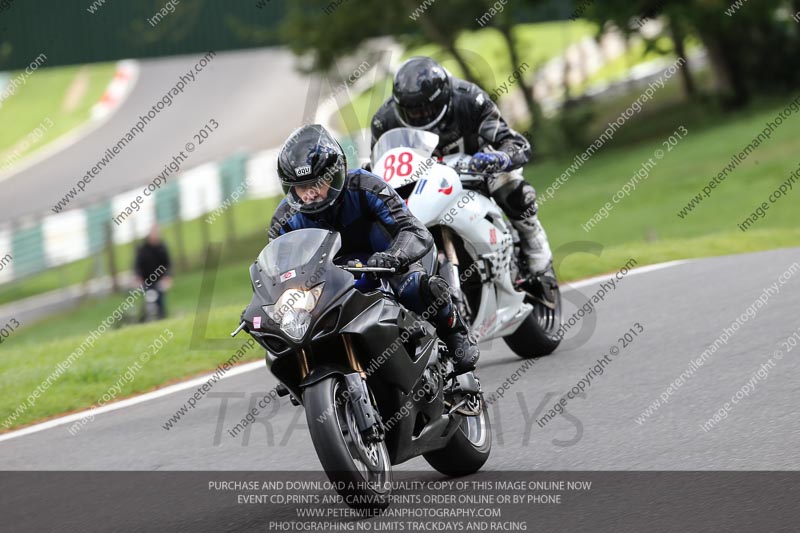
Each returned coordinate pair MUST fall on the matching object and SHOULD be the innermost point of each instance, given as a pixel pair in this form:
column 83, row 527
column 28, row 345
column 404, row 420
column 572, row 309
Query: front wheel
column 539, row 334
column 469, row 448
column 360, row 472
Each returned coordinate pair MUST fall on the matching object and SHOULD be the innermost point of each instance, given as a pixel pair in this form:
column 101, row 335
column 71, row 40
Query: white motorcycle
column 477, row 247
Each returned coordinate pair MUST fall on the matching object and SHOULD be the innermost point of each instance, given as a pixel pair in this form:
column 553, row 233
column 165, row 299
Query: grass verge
column 44, row 99
column 93, row 375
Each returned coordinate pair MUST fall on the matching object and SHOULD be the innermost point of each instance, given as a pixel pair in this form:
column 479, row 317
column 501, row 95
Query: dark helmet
column 309, row 160
column 422, row 92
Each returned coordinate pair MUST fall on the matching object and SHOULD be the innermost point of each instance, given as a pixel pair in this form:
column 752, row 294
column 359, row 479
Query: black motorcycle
column 372, row 375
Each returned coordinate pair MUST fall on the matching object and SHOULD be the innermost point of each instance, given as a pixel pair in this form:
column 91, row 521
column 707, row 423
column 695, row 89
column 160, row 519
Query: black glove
column 367, row 166
column 384, row 260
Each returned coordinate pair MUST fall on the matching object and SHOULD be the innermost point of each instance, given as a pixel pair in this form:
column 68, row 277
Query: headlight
column 293, row 310
column 295, row 323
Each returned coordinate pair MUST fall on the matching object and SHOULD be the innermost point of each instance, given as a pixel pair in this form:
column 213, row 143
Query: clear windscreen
column 294, row 249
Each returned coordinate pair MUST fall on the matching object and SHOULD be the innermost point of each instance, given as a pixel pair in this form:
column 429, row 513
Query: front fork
column 449, row 259
column 367, row 418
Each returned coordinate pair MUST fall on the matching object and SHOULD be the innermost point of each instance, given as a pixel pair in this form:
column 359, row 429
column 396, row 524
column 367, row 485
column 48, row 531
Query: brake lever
column 476, row 173
column 240, row 328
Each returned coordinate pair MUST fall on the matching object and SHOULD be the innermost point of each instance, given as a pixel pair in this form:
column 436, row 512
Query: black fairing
column 375, row 323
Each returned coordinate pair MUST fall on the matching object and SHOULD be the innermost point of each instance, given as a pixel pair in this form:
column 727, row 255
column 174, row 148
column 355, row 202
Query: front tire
column 468, row 449
column 360, row 472
column 538, row 334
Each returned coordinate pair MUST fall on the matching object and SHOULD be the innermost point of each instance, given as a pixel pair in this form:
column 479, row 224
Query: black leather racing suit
column 472, row 123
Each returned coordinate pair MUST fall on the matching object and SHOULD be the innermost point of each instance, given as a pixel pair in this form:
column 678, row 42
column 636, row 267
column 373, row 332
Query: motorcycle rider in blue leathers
column 371, row 219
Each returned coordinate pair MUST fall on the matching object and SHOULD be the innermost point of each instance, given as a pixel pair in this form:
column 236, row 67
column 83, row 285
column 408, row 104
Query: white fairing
column 402, row 157
column 480, row 224
column 434, row 194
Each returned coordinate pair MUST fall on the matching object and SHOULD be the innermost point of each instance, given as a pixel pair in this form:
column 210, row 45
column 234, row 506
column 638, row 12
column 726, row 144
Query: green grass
column 100, row 367
column 646, row 222
column 232, row 287
column 29, row 357
column 537, row 43
column 40, row 103
column 659, row 116
column 617, row 69
column 582, row 265
column 643, row 226
column 487, row 54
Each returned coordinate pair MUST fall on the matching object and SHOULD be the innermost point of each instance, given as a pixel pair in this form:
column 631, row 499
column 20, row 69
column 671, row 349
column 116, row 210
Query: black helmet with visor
column 421, row 91
column 312, row 169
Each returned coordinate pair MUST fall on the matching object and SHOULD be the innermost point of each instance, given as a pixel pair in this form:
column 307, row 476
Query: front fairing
column 289, row 264
column 434, row 194
column 347, row 314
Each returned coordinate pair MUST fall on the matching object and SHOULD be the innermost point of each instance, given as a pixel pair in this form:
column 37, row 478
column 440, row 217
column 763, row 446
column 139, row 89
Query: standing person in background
column 150, row 257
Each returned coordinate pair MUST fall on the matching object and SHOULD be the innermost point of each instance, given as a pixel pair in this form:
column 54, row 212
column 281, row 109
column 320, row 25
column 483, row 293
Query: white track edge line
column 639, row 270
column 171, row 389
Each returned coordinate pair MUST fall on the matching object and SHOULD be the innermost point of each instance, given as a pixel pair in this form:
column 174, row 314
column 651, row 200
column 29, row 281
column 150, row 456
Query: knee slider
column 518, row 200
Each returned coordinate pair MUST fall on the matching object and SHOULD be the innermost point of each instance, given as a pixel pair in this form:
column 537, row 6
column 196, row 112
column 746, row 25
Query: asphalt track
column 682, row 310
column 256, row 96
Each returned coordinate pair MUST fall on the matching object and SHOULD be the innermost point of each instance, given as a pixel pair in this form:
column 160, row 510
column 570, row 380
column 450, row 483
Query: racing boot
column 461, row 344
column 534, row 248
column 450, row 326
column 536, row 276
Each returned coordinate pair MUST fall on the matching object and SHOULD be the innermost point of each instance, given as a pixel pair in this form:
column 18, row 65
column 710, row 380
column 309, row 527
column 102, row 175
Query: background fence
column 38, row 243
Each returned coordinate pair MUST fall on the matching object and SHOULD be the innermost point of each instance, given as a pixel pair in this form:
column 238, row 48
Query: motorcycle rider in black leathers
column 371, row 219
column 426, row 97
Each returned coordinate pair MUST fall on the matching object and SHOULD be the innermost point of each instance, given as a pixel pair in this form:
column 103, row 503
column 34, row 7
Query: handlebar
column 367, row 269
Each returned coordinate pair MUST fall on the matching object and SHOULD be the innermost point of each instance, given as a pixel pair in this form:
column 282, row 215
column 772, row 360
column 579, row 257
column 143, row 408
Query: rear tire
column 360, row 472
column 468, row 449
column 538, row 334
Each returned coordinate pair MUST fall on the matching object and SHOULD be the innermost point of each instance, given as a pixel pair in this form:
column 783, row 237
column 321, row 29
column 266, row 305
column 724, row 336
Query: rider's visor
column 316, row 194
column 422, row 116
